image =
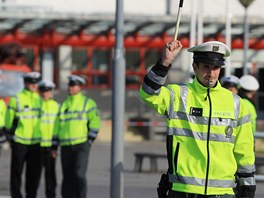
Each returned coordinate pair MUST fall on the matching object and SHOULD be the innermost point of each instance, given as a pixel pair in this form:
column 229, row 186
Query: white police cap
column 32, row 77
column 47, row 84
column 74, row 79
column 230, row 81
column 211, row 52
column 249, row 82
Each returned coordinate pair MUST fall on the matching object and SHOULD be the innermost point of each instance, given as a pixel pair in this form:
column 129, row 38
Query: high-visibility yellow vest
column 49, row 123
column 2, row 113
column 24, row 108
column 78, row 118
column 253, row 114
column 209, row 136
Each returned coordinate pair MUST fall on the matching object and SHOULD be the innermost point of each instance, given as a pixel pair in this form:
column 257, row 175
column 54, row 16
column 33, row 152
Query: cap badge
column 215, row 48
column 229, row 131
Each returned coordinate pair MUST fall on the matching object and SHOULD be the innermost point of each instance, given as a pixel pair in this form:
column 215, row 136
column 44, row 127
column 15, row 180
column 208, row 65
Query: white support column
column 65, row 64
column 228, row 37
column 47, row 66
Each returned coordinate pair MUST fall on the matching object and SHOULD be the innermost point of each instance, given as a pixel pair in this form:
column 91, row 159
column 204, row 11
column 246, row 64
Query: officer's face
column 46, row 95
column 233, row 89
column 31, row 86
column 74, row 89
column 207, row 74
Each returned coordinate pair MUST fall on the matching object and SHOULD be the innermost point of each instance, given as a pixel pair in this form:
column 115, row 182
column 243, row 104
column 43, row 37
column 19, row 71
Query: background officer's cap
column 76, row 80
column 230, row 81
column 249, row 83
column 46, row 85
column 212, row 52
column 32, row 77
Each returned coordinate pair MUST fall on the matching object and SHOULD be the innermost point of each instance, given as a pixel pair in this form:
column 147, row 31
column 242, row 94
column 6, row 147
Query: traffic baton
column 178, row 20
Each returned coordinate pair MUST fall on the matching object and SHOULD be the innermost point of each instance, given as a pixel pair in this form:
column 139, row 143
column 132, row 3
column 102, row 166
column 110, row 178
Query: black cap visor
column 31, row 80
column 210, row 58
column 44, row 89
column 230, row 84
column 74, row 82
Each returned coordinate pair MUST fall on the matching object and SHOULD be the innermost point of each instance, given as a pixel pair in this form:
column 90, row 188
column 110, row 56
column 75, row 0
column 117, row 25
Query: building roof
column 32, row 19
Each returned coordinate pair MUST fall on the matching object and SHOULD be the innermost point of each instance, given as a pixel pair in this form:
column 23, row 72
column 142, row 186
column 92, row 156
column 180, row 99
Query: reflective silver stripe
column 47, row 121
column 74, row 112
column 72, row 139
column 46, row 140
column 171, row 105
column 26, row 139
column 69, row 119
column 27, row 110
column 200, row 135
column 247, row 181
column 236, row 106
column 204, row 120
column 147, row 89
column 246, row 169
column 17, row 104
column 49, row 114
column 201, row 182
column 243, row 120
column 85, row 103
column 91, row 109
column 29, row 116
column 183, row 98
column 155, row 78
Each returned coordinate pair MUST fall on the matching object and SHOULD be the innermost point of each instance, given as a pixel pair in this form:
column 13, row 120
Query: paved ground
column 142, row 185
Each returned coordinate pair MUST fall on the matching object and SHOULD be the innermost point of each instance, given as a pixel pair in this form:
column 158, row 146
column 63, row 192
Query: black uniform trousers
column 74, row 160
column 175, row 194
column 49, row 164
column 30, row 155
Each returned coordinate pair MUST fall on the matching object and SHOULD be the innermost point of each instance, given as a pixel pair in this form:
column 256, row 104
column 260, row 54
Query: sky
column 210, row 8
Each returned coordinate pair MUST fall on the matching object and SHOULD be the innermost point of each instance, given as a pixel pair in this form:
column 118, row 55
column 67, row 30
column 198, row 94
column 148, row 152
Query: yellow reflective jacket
column 23, row 117
column 209, row 135
column 49, row 123
column 2, row 113
column 79, row 119
column 252, row 112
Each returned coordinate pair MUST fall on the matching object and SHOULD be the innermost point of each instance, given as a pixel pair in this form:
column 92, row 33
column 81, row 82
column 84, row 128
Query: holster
column 163, row 186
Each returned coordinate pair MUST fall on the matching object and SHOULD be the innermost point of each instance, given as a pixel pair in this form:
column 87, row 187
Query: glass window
column 132, row 57
column 100, row 62
column 29, row 57
column 101, row 59
column 79, row 59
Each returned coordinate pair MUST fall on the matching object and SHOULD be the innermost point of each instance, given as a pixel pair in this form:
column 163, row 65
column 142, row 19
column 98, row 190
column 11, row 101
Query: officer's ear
column 195, row 66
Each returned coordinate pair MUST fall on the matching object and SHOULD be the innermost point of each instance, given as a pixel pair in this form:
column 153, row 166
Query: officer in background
column 23, row 125
column 79, row 125
column 230, row 82
column 2, row 122
column 49, row 138
column 248, row 88
column 209, row 136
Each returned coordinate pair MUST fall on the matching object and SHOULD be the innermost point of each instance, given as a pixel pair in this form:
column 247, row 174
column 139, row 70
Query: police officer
column 248, row 88
column 79, row 125
column 49, row 138
column 2, row 122
column 209, row 136
column 230, row 82
column 23, row 125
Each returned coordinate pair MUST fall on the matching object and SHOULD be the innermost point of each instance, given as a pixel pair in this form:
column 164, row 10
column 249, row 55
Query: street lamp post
column 246, row 4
